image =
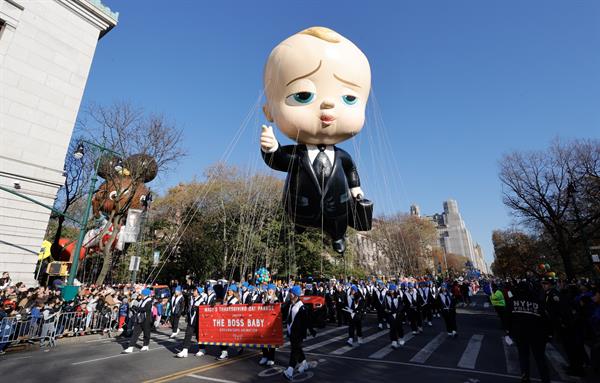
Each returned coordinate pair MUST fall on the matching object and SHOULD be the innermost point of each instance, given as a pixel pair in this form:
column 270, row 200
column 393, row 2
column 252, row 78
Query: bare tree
column 149, row 144
column 77, row 174
column 551, row 191
column 405, row 241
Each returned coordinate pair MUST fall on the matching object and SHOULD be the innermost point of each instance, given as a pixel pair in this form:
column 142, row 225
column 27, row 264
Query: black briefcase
column 361, row 211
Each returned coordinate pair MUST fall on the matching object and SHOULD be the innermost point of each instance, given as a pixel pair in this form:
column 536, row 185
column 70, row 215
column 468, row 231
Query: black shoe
column 339, row 246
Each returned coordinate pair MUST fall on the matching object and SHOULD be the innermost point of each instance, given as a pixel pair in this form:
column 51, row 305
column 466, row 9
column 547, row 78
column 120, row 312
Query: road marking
column 419, row 365
column 425, row 352
column 469, row 356
column 120, row 340
column 319, row 334
column 181, row 374
column 158, row 342
column 558, row 362
column 154, row 340
column 275, row 370
column 388, row 349
column 370, row 338
column 326, row 342
column 115, row 356
column 211, row 379
column 512, row 358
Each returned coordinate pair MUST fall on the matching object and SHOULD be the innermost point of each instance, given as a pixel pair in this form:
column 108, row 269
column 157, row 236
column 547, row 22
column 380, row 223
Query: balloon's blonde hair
column 322, row 33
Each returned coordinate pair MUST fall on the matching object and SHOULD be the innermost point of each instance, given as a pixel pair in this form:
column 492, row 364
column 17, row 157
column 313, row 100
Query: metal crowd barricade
column 70, row 324
column 18, row 329
column 79, row 323
column 15, row 330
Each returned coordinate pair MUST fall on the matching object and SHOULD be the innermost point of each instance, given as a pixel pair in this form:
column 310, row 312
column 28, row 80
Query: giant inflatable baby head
column 317, row 84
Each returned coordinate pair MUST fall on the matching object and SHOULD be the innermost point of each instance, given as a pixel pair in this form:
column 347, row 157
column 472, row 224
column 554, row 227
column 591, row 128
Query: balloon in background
column 262, row 275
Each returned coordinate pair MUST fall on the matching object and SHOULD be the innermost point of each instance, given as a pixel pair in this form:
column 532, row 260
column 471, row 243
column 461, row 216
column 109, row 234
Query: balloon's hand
column 357, row 193
column 268, row 142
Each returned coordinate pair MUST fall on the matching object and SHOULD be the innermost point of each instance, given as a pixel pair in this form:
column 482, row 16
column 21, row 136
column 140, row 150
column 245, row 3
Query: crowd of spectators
column 42, row 314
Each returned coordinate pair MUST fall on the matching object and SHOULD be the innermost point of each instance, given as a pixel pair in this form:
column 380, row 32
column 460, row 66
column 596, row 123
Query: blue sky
column 456, row 84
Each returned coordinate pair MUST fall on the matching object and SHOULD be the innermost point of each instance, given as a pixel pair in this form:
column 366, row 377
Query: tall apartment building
column 46, row 50
column 453, row 235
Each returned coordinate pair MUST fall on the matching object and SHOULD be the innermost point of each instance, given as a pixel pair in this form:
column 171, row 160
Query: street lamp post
column 70, row 291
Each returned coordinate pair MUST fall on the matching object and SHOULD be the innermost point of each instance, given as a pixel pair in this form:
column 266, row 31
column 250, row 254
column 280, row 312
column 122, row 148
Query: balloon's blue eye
column 303, row 97
column 349, row 99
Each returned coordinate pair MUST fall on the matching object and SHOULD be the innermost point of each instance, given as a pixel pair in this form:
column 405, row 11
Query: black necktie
column 322, row 165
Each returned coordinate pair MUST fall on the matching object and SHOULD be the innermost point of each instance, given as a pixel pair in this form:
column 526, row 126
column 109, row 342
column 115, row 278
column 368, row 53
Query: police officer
column 143, row 321
column 573, row 322
column 177, row 302
column 530, row 330
column 552, row 304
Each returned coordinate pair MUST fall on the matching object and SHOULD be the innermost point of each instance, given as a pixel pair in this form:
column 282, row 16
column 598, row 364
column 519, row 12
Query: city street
column 243, row 164
column 477, row 355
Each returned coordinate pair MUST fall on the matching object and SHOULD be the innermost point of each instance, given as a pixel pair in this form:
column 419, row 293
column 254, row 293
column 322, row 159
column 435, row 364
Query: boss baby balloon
column 317, row 84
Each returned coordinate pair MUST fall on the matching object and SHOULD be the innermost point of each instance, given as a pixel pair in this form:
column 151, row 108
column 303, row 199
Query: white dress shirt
column 313, row 151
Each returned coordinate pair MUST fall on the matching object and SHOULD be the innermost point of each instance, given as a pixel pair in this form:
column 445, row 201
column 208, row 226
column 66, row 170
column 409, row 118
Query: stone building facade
column 369, row 257
column 46, row 50
column 453, row 235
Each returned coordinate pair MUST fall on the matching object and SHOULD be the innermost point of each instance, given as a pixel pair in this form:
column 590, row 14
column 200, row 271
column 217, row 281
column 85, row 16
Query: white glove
column 356, row 192
column 268, row 142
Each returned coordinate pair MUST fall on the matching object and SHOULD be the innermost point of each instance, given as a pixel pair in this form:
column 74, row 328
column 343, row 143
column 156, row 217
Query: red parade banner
column 241, row 325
